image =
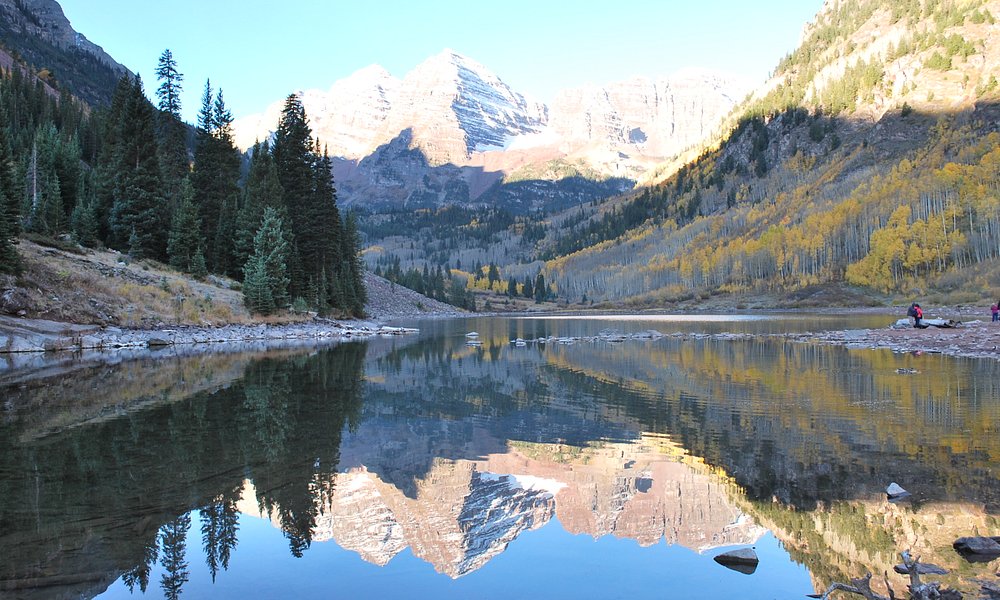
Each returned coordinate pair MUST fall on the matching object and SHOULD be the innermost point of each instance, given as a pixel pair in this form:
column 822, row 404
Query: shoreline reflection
column 466, row 459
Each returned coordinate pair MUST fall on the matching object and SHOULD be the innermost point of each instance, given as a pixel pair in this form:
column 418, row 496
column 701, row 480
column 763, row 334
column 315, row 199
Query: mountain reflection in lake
column 429, row 467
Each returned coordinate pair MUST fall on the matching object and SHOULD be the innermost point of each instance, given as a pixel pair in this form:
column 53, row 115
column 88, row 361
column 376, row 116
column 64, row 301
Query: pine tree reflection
column 219, row 528
column 280, row 426
column 173, row 543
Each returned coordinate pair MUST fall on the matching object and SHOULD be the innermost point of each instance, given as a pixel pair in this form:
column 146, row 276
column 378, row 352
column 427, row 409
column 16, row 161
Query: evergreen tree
column 225, row 231
column 256, row 288
column 511, row 287
column 170, row 85
column 215, row 177
column 265, row 284
column 185, row 231
column 42, row 207
column 83, row 220
column 528, row 291
column 541, row 292
column 138, row 216
column 139, row 575
column 205, row 113
column 321, row 266
column 67, row 167
column 108, row 172
column 261, row 190
column 355, row 267
column 9, row 181
column 294, row 162
column 219, row 524
column 198, row 267
column 10, row 262
column 171, row 132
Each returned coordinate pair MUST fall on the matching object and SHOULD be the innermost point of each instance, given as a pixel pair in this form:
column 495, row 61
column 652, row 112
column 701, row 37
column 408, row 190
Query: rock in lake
column 743, row 560
column 896, row 492
column 978, row 548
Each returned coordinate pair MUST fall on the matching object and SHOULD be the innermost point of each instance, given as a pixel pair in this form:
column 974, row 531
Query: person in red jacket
column 917, row 313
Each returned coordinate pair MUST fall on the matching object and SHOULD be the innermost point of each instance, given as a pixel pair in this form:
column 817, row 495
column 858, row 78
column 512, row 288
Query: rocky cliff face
column 451, row 130
column 45, row 20
column 39, row 31
column 642, row 120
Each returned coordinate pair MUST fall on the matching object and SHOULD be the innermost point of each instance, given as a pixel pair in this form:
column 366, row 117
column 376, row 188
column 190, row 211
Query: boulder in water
column 978, row 548
column 896, row 492
column 743, row 560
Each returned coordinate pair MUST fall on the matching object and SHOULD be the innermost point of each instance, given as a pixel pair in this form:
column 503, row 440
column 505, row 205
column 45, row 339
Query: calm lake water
column 425, row 467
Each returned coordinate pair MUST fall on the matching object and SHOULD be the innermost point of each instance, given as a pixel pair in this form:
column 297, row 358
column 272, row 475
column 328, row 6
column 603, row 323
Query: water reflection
column 81, row 507
column 432, row 449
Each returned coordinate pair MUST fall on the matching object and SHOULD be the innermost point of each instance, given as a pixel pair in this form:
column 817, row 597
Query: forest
column 133, row 177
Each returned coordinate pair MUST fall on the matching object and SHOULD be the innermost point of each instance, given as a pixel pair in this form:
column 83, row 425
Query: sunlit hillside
column 870, row 159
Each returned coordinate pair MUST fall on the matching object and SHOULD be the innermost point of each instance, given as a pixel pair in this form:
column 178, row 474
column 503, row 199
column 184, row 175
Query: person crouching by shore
column 917, row 313
column 995, row 309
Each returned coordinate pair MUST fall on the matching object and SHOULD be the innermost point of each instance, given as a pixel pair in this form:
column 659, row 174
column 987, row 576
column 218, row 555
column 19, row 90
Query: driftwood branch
column 918, row 590
column 911, row 566
column 861, row 586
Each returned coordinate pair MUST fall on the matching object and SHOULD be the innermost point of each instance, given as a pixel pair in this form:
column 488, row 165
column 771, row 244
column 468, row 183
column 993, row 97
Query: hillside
column 869, row 159
column 108, row 288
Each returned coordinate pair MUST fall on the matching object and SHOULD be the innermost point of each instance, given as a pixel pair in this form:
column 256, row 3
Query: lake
column 441, row 465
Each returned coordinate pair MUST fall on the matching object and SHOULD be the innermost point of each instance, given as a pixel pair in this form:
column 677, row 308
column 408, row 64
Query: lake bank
column 31, row 344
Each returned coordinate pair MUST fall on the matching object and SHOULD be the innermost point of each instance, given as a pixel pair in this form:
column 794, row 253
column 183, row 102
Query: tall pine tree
column 354, row 268
column 321, row 266
column 138, row 215
column 10, row 262
column 215, row 177
column 171, row 132
column 293, row 159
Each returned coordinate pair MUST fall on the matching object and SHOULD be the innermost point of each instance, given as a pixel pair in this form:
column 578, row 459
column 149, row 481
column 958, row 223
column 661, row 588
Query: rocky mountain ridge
column 39, row 32
column 451, row 130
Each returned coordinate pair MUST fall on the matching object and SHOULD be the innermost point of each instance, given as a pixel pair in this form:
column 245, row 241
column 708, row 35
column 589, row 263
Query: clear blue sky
column 258, row 51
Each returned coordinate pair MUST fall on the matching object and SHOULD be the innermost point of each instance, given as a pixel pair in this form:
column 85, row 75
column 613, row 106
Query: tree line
column 133, row 177
column 931, row 217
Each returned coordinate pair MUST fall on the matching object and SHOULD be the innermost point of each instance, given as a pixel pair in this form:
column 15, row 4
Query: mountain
column 452, row 132
column 464, row 513
column 38, row 32
column 868, row 160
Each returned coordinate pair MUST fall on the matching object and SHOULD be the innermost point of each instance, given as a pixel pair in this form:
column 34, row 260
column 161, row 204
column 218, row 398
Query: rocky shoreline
column 33, row 335
column 971, row 339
